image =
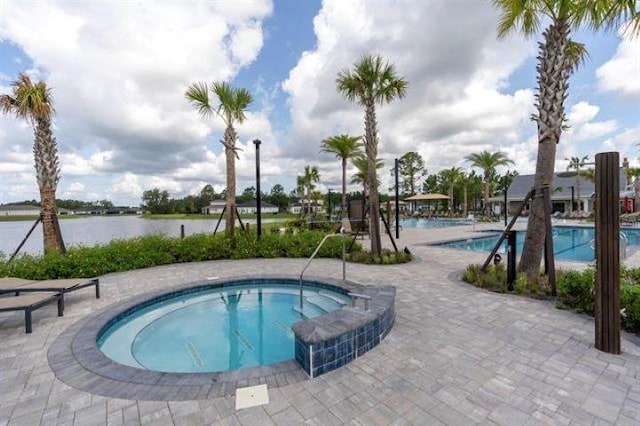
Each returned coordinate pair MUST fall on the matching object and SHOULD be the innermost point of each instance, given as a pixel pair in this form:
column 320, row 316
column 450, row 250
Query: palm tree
column 558, row 58
column 306, row 182
column 360, row 177
column 372, row 80
column 344, row 147
column 232, row 104
column 488, row 161
column 577, row 163
column 34, row 103
column 450, row 178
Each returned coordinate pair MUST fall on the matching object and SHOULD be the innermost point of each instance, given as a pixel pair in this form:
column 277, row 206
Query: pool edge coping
column 76, row 360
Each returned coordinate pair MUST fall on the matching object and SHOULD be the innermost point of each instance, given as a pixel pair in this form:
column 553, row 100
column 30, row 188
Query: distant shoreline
column 20, row 218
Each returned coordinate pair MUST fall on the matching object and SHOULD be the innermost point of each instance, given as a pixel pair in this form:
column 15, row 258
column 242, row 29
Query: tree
column 278, row 197
column 247, row 195
column 156, row 201
column 577, row 164
column 411, row 170
column 371, row 81
column 558, row 58
column 207, row 194
column 450, row 178
column 306, row 183
column 360, row 176
column 34, row 103
column 232, row 106
column 344, row 147
column 488, row 161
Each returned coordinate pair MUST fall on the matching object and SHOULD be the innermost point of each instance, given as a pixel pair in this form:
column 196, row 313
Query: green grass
column 216, row 216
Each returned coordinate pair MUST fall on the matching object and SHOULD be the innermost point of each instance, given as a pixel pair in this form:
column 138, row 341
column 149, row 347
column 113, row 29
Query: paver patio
column 456, row 355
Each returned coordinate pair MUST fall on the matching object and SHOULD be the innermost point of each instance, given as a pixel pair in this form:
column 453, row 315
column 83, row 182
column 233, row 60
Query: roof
column 561, row 186
column 17, row 207
column 254, row 203
column 423, row 197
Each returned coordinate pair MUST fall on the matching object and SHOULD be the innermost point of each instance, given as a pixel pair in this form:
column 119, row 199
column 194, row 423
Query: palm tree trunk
column 45, row 153
column 371, row 148
column 466, row 206
column 230, row 143
column 343, row 213
column 553, row 69
column 451, row 201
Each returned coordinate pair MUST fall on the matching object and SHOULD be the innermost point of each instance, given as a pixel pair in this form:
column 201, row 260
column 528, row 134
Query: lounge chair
column 62, row 286
column 30, row 303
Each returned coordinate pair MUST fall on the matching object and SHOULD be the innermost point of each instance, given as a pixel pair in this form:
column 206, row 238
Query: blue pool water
column 569, row 243
column 216, row 329
column 431, row 223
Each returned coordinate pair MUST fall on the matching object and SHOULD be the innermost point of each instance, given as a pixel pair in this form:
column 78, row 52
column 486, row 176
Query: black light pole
column 329, row 197
column 257, row 143
column 572, row 195
column 397, row 162
column 505, row 206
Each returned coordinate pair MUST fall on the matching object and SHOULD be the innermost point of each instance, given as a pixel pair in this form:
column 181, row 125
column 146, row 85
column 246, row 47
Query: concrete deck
column 456, row 355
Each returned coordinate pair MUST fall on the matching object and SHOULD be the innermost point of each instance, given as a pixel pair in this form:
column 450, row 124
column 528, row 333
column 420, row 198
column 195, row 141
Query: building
column 568, row 193
column 315, row 207
column 214, row 207
column 251, row 207
column 19, row 210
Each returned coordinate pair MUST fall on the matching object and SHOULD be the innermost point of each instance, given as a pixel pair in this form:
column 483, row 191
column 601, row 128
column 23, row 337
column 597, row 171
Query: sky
column 118, row 72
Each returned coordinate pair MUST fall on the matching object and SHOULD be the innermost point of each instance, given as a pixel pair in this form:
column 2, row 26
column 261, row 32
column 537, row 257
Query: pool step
column 308, row 310
column 336, row 299
column 323, row 303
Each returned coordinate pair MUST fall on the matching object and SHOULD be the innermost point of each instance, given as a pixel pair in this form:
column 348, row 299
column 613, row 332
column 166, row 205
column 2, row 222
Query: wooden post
column 607, row 301
column 182, row 232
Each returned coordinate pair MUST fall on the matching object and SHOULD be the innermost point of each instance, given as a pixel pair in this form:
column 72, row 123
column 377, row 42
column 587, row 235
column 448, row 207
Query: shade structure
column 427, row 197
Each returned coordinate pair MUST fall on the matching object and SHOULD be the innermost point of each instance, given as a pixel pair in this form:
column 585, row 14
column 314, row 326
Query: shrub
column 388, row 257
column 630, row 303
column 576, row 290
column 153, row 250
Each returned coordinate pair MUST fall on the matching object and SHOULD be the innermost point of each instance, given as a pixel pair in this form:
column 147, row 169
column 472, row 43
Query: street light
column 572, row 197
column 397, row 163
column 257, row 143
column 329, row 202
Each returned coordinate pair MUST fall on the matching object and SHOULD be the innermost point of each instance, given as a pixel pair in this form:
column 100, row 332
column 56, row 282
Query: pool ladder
column 344, row 264
column 624, row 242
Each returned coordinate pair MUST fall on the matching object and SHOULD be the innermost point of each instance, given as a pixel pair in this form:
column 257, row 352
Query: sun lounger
column 29, row 303
column 19, row 285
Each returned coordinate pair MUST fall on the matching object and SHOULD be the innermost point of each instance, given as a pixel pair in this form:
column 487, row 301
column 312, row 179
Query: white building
column 250, row 207
column 316, row 207
column 215, row 207
column 19, row 210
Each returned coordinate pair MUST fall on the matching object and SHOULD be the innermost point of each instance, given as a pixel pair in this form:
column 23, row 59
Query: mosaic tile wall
column 323, row 357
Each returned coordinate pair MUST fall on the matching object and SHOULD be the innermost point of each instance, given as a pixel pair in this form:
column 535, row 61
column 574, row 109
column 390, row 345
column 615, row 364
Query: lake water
column 93, row 230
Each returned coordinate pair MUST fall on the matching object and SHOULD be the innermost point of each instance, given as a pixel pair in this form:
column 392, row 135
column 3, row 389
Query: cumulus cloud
column 458, row 93
column 119, row 72
column 620, row 73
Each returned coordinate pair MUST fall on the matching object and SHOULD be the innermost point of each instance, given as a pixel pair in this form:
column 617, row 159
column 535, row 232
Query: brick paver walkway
column 456, row 355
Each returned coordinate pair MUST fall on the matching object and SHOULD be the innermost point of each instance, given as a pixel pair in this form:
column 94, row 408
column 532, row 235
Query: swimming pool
column 569, row 243
column 433, row 223
column 216, row 329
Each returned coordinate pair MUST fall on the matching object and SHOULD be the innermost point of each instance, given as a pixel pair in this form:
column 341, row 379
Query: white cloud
column 620, row 73
column 119, row 71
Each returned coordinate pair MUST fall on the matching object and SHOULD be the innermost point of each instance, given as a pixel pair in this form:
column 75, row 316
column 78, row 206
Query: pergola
column 426, row 197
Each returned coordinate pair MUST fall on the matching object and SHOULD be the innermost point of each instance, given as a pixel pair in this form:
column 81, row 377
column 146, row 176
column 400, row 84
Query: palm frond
column 198, row 95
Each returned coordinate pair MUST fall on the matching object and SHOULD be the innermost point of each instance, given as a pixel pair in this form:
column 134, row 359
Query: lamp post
column 397, row 163
column 257, row 143
column 329, row 202
column 572, row 197
column 505, row 205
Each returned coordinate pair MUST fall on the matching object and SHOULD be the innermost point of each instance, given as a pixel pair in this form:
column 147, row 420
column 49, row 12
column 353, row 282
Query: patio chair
column 30, row 303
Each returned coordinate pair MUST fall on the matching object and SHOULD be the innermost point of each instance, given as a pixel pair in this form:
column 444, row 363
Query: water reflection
column 102, row 229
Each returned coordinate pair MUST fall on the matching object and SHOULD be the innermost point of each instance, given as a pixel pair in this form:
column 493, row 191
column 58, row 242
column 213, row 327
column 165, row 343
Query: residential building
column 19, row 210
column 251, row 207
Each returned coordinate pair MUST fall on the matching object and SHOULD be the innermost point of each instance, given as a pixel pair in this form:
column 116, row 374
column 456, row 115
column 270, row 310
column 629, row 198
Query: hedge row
column 144, row 252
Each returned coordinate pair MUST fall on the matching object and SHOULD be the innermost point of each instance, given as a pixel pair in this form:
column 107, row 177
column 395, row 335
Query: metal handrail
column 314, row 255
column 623, row 245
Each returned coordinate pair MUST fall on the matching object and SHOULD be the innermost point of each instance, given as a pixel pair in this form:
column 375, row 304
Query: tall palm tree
column 450, row 178
column 488, row 161
column 232, row 104
column 577, row 164
column 558, row 58
column 306, row 182
column 372, row 81
column 344, row 147
column 34, row 103
column 360, row 176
